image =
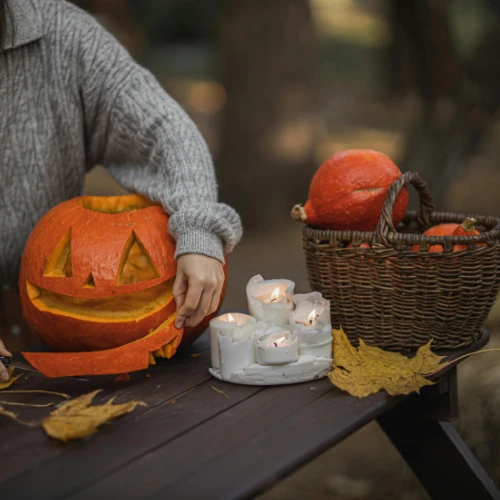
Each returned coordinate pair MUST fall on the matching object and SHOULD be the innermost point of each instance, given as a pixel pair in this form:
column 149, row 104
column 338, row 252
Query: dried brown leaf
column 76, row 419
column 367, row 369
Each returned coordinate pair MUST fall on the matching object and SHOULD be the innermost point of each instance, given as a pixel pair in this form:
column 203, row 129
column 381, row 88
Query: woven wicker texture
column 397, row 298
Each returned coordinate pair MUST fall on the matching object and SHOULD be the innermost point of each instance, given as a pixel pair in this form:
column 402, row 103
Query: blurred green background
column 278, row 86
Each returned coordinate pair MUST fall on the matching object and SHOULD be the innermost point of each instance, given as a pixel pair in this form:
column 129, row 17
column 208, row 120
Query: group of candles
column 281, row 327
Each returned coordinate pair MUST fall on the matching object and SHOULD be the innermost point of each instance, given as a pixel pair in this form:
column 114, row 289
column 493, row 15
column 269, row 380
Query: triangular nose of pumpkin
column 89, row 282
column 136, row 264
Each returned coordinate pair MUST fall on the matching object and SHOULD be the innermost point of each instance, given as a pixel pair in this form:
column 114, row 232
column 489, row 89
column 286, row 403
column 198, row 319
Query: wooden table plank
column 230, row 431
column 166, row 447
column 249, row 437
column 280, row 449
column 169, row 379
column 77, row 464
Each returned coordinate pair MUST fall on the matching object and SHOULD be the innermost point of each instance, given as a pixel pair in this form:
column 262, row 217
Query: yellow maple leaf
column 4, row 385
column 367, row 369
column 76, row 419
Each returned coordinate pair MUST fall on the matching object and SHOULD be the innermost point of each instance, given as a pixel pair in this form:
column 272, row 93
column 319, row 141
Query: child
column 70, row 98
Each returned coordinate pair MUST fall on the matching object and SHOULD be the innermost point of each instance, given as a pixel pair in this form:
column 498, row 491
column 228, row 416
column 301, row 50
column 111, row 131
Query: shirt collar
column 23, row 23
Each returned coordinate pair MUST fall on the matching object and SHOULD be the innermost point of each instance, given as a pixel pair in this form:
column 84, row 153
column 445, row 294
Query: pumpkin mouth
column 115, row 204
column 129, row 307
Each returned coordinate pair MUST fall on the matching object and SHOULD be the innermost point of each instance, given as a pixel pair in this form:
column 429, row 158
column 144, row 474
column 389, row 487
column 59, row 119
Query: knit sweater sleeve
column 149, row 144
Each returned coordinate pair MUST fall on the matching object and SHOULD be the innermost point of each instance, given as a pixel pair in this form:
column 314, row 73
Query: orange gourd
column 348, row 191
column 96, row 286
column 467, row 228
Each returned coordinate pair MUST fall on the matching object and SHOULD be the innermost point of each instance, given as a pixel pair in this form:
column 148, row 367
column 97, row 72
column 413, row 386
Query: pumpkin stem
column 469, row 224
column 298, row 213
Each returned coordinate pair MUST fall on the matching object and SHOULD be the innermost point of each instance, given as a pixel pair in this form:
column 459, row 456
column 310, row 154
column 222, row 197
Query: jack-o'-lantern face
column 98, row 272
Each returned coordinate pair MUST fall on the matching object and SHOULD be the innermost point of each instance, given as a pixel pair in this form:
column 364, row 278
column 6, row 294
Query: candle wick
column 275, row 344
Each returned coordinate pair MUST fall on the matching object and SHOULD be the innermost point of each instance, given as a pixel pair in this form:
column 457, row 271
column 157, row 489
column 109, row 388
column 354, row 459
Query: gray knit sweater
column 70, row 98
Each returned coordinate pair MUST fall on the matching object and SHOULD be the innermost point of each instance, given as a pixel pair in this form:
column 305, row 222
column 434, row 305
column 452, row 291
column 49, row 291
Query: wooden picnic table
column 192, row 442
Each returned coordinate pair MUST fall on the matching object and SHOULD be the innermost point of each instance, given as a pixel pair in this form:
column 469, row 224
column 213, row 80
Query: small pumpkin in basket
column 467, row 228
column 96, row 286
column 348, row 191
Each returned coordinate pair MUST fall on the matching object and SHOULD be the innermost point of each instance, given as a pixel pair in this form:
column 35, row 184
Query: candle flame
column 277, row 342
column 230, row 318
column 276, row 294
column 312, row 317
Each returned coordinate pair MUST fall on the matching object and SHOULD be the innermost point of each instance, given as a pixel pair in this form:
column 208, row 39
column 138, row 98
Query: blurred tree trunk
column 460, row 98
column 423, row 54
column 267, row 155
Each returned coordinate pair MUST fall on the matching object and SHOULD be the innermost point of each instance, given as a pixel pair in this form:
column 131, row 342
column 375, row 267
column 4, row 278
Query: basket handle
column 426, row 207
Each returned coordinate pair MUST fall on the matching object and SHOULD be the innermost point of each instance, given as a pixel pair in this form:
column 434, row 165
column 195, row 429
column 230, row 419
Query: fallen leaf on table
column 124, row 377
column 195, row 355
column 367, row 369
column 76, row 419
column 4, row 385
column 222, row 393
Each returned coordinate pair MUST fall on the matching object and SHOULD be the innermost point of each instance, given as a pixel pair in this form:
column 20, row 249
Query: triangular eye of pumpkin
column 136, row 265
column 59, row 263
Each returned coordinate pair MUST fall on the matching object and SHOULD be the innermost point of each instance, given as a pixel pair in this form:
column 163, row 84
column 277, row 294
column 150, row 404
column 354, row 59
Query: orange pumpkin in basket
column 467, row 228
column 348, row 191
column 96, row 286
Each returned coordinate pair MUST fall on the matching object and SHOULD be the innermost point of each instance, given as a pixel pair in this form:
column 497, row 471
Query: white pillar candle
column 234, row 325
column 270, row 300
column 315, row 340
column 311, row 322
column 276, row 347
column 309, row 308
column 234, row 354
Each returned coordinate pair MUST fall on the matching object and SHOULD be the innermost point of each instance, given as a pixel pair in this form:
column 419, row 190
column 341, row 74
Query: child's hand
column 4, row 374
column 197, row 288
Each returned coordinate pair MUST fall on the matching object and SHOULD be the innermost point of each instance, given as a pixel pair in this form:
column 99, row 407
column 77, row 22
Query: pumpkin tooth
column 177, row 341
column 158, row 353
column 169, row 351
column 152, row 360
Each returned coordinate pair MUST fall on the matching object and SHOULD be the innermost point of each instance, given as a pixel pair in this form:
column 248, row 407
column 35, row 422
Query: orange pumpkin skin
column 439, row 230
column 127, row 358
column 349, row 189
column 98, row 243
column 467, row 228
column 449, row 229
column 362, row 245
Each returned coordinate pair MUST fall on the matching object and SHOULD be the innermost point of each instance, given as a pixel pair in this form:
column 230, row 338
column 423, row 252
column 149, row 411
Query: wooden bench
column 192, row 442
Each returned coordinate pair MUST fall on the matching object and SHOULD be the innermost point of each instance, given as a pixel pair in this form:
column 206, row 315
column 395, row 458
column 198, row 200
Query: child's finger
column 195, row 289
column 214, row 304
column 179, row 289
column 202, row 309
column 4, row 351
column 4, row 374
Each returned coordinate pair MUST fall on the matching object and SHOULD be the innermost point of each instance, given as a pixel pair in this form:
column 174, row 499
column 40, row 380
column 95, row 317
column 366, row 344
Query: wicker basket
column 397, row 298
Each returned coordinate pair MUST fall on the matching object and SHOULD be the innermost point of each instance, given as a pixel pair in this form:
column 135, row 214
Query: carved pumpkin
column 348, row 191
column 96, row 283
